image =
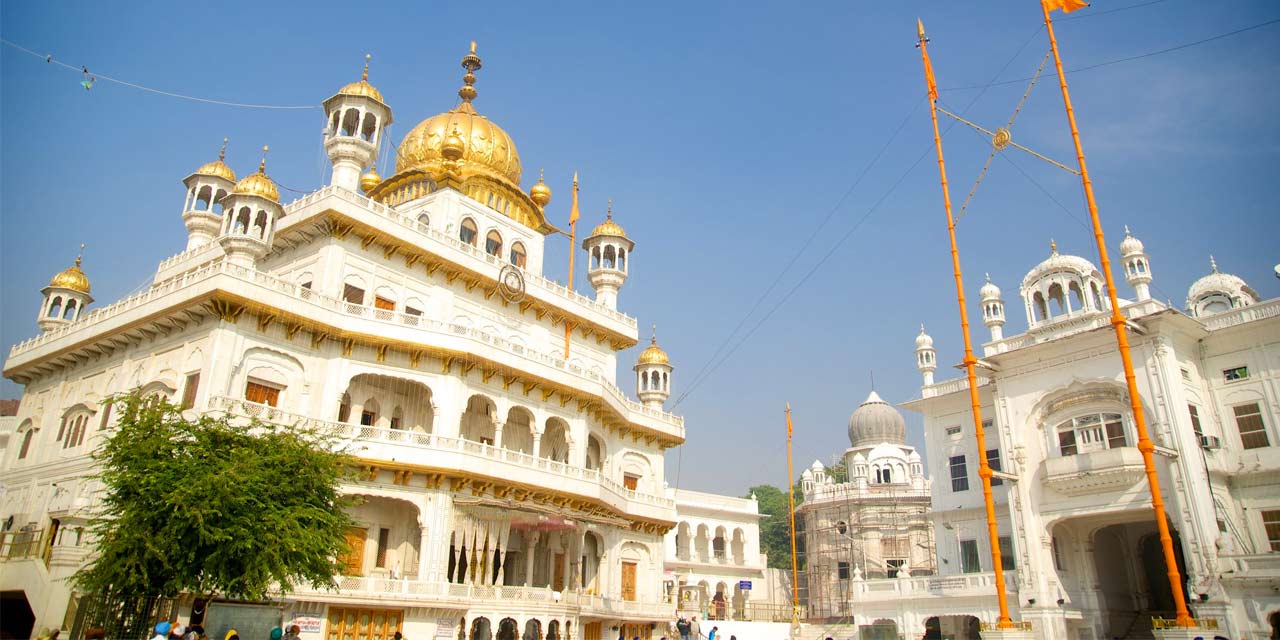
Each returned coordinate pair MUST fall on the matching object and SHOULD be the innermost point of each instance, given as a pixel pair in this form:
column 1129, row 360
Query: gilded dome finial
column 222, row 154
column 609, row 212
column 262, row 166
column 1053, row 247
column 80, row 255
column 365, row 76
column 654, row 340
column 470, row 62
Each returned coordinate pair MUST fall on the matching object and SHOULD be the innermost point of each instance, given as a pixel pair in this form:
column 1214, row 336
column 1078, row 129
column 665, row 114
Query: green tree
column 205, row 506
column 775, row 530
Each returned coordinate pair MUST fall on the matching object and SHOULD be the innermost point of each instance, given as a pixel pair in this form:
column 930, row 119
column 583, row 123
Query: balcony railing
column 178, row 283
column 426, row 592
column 929, row 586
column 430, row 441
column 1242, row 315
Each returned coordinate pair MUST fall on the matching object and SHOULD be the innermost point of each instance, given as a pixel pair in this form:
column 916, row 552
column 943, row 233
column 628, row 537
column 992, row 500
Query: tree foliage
column 205, row 506
column 775, row 530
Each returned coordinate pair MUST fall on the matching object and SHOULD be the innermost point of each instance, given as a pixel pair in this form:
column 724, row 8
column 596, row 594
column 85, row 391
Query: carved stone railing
column 969, row 584
column 1269, row 309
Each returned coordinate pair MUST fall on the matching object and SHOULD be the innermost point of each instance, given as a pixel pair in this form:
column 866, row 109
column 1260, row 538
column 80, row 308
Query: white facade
column 1077, row 533
column 416, row 320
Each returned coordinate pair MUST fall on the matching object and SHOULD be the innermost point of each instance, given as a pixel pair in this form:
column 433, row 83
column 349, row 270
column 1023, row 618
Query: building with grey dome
column 867, row 520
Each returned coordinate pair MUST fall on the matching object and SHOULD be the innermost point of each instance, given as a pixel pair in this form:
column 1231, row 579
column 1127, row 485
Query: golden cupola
column 540, row 192
column 258, row 184
column 370, row 179
column 609, row 227
column 218, row 168
column 487, row 149
column 653, row 354
column 71, row 278
column 363, row 88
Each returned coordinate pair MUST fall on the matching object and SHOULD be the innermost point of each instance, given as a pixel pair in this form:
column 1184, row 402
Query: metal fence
column 123, row 618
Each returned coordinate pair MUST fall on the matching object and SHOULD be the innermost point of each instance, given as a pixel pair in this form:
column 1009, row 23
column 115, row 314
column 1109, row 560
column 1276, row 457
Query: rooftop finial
column 222, row 154
column 919, row 28
column 988, row 276
column 654, row 340
column 365, row 75
column 1126, row 231
column 262, row 166
column 1213, row 264
column 470, row 62
column 80, row 255
column 1053, row 247
column 609, row 211
column 921, row 328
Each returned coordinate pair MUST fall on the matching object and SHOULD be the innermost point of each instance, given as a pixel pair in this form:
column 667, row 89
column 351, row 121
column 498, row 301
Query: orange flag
column 1067, row 6
column 573, row 210
column 788, row 421
column 928, row 66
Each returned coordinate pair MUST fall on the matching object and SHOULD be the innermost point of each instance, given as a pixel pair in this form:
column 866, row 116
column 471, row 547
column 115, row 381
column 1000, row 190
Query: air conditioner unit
column 1210, row 443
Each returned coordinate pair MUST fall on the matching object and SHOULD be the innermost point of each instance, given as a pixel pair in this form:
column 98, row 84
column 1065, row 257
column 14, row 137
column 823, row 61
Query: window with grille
column 73, row 429
column 1092, row 432
column 352, row 294
column 842, row 570
column 1253, row 433
column 189, row 390
column 1271, row 522
column 1195, row 420
column 993, row 461
column 953, row 430
column 384, row 536
column 1235, row 373
column 969, row 561
column 384, row 303
column 518, row 255
column 261, row 393
column 959, row 474
column 467, row 232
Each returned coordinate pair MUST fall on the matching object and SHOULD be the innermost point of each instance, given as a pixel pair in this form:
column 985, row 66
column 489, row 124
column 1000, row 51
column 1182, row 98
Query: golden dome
column 72, row 278
column 218, row 168
column 486, row 149
column 258, row 184
column 608, row 227
column 362, row 88
column 540, row 192
column 653, row 354
column 370, row 179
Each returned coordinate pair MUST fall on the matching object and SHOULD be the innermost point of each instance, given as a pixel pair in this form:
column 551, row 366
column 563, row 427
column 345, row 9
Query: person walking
column 683, row 628
column 712, row 635
column 695, row 630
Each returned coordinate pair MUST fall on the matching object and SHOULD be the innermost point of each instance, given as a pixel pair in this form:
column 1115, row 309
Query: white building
column 872, row 524
column 416, row 320
column 1078, row 538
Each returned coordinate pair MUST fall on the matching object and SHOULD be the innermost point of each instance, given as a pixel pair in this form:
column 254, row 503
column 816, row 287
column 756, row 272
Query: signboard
column 307, row 624
column 744, row 585
column 445, row 627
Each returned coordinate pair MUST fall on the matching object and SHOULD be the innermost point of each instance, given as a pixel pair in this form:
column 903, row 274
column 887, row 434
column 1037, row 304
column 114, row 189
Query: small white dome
column 923, row 341
column 1060, row 263
column 876, row 422
column 914, row 456
column 1130, row 245
column 817, row 466
column 859, row 458
column 807, row 475
column 1229, row 290
column 989, row 291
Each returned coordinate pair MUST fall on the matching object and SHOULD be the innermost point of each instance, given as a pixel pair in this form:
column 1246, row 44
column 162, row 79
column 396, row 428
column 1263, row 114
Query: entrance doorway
column 1130, row 582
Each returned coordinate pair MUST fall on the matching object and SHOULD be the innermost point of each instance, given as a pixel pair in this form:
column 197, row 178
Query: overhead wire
column 715, row 364
column 1140, row 56
column 82, row 69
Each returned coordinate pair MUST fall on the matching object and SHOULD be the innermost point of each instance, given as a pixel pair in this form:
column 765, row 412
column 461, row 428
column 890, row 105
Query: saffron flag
column 573, row 211
column 788, row 421
column 928, row 76
column 1067, row 6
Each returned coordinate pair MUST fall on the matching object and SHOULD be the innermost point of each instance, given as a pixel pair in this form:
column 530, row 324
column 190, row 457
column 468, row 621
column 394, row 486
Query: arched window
column 467, row 231
column 242, row 220
column 518, row 256
column 1057, row 300
column 622, row 258
column 424, row 219
column 260, row 227
column 1091, row 432
column 493, row 243
column 55, row 307
column 28, row 434
column 370, row 125
column 350, row 122
column 70, row 313
column 1077, row 296
column 204, row 198
column 1040, row 308
column 609, row 257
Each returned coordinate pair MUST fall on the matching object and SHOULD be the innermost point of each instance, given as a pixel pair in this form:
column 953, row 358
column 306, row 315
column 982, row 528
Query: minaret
column 206, row 187
column 992, row 309
column 357, row 117
column 609, row 249
column 653, row 374
column 1137, row 271
column 249, row 217
column 926, row 357
column 65, row 298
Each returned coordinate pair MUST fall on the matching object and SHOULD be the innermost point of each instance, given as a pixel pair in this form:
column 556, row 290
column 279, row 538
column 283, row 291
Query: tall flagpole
column 791, row 499
column 984, row 469
column 1145, row 445
column 573, row 251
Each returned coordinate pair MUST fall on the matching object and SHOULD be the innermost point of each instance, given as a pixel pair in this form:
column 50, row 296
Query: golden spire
column 80, row 255
column 222, row 154
column 609, row 211
column 262, row 166
column 470, row 62
column 365, row 76
column 920, row 28
column 1053, row 247
column 654, row 339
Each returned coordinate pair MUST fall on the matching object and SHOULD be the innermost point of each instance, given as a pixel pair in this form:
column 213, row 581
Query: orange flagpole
column 791, row 499
column 573, row 251
column 984, row 470
column 1145, row 445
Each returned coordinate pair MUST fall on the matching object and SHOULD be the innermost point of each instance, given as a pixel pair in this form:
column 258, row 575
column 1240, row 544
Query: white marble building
column 1077, row 533
column 512, row 486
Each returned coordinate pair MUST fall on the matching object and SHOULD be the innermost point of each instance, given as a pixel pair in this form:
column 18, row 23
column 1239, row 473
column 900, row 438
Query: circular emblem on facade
column 511, row 284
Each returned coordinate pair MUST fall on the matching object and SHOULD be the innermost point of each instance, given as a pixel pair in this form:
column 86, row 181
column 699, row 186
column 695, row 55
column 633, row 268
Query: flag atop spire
column 1067, row 6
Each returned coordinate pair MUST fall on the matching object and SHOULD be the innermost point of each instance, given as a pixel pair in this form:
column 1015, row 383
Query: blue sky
column 725, row 134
